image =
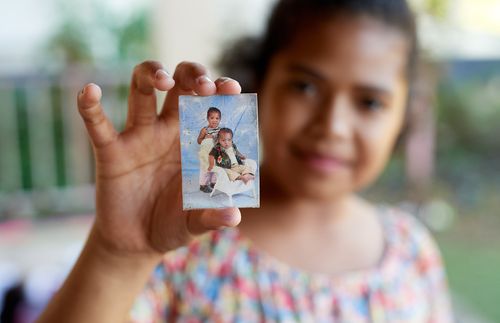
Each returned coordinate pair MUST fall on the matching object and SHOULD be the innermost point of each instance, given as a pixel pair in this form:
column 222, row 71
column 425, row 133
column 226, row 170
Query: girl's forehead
column 348, row 42
column 359, row 51
column 347, row 29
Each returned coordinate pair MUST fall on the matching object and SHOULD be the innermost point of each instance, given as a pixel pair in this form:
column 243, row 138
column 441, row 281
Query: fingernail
column 223, row 80
column 203, row 79
column 161, row 74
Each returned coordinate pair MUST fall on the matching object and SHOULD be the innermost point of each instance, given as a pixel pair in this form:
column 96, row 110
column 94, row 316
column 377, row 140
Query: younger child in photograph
column 225, row 154
column 206, row 140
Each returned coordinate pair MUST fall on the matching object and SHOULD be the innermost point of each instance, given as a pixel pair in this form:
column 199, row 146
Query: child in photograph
column 225, row 154
column 206, row 140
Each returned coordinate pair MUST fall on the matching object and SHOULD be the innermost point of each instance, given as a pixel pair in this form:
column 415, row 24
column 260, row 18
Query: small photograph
column 219, row 151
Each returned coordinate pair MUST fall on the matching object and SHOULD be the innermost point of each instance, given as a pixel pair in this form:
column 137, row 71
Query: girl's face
column 225, row 139
column 332, row 106
column 213, row 120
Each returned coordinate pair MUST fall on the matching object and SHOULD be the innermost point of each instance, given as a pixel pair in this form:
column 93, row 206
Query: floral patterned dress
column 223, row 277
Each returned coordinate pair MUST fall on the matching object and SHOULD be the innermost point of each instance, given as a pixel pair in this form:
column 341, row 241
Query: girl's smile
column 325, row 164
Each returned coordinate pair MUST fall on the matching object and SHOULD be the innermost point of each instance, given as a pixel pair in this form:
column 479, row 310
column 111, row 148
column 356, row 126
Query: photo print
column 219, row 151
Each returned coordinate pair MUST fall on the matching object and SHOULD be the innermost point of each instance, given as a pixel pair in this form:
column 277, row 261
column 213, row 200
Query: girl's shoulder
column 400, row 224
column 219, row 246
column 407, row 238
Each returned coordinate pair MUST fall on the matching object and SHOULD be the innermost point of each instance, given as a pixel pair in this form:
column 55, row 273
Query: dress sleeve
column 431, row 269
column 151, row 304
column 213, row 152
column 159, row 300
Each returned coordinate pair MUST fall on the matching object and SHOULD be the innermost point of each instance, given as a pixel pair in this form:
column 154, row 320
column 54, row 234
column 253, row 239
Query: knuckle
column 153, row 65
column 183, row 64
column 92, row 116
column 138, row 67
column 200, row 68
column 148, row 65
column 193, row 67
column 143, row 120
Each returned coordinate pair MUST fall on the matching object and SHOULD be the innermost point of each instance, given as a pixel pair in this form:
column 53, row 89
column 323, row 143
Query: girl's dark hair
column 248, row 59
column 212, row 110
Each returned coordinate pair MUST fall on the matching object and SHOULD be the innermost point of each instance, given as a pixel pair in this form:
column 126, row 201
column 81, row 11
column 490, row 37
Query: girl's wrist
column 116, row 259
column 102, row 285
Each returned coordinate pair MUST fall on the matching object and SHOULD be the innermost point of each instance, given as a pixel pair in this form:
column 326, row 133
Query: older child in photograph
column 225, row 154
column 206, row 139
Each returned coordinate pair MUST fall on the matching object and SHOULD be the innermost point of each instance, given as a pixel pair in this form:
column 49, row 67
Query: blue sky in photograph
column 239, row 112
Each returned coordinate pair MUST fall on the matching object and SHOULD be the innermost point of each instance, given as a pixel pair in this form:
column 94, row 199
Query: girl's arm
column 102, row 285
column 239, row 154
column 133, row 228
column 201, row 136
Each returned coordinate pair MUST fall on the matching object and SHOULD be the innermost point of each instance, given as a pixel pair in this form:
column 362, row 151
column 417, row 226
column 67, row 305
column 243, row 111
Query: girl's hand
column 201, row 136
column 138, row 170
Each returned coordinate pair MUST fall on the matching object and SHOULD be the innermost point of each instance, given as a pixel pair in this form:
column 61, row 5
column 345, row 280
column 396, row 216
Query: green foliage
column 473, row 271
column 94, row 34
column 437, row 8
column 468, row 149
column 69, row 44
column 468, row 117
column 133, row 38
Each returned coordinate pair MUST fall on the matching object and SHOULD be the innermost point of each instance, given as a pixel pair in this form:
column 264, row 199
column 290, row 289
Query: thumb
column 201, row 221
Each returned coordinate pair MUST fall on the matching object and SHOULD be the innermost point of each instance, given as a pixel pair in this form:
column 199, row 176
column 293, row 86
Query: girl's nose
column 335, row 118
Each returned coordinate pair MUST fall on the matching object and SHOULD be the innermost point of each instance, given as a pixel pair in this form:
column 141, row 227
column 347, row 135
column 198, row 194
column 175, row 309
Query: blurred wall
column 197, row 30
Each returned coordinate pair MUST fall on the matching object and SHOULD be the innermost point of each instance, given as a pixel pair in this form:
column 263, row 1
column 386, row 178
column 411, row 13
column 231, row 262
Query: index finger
column 146, row 77
column 190, row 78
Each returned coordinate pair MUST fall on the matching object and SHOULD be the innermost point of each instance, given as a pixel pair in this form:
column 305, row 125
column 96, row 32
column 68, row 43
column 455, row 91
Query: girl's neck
column 301, row 232
column 290, row 212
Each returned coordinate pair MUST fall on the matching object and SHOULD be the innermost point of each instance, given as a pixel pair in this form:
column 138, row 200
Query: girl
column 206, row 139
column 333, row 78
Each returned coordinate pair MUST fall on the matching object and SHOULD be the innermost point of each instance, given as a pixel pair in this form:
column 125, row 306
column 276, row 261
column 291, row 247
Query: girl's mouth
column 321, row 163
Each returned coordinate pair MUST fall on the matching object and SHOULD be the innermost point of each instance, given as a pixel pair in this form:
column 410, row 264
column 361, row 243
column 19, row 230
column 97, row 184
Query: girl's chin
column 321, row 190
column 313, row 189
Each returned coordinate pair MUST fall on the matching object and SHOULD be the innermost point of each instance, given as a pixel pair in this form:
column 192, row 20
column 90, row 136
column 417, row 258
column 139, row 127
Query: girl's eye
column 371, row 104
column 304, row 87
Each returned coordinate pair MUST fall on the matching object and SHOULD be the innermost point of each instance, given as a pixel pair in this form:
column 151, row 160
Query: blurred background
column 446, row 169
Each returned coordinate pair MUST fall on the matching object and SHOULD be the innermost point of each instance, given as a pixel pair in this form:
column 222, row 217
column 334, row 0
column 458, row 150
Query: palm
column 136, row 171
column 139, row 175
